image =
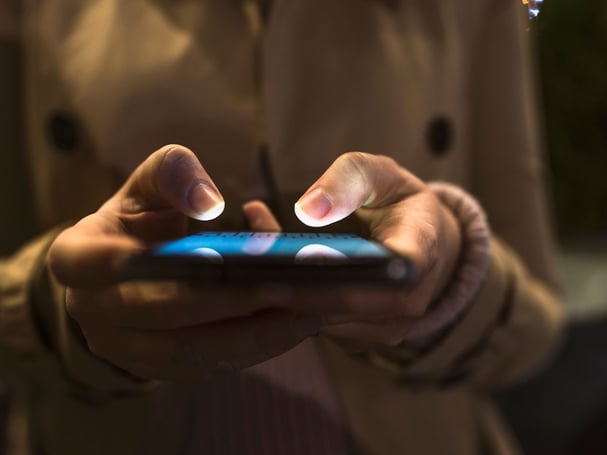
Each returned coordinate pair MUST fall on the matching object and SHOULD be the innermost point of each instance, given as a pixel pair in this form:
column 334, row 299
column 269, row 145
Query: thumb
column 172, row 177
column 355, row 180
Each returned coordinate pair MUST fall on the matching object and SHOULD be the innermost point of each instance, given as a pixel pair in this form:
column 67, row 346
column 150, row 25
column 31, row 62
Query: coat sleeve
column 38, row 342
column 20, row 345
column 514, row 323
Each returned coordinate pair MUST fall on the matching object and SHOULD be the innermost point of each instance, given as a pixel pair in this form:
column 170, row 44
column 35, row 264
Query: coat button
column 440, row 135
column 63, row 132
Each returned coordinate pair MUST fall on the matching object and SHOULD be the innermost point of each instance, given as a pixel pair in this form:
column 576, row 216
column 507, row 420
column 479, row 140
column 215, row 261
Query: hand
column 165, row 330
column 403, row 214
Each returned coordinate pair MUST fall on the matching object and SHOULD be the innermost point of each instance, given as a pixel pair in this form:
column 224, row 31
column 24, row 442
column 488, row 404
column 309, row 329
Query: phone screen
column 299, row 247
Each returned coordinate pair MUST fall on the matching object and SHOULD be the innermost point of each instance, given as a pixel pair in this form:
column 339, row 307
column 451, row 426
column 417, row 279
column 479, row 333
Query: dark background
column 571, row 37
column 564, row 410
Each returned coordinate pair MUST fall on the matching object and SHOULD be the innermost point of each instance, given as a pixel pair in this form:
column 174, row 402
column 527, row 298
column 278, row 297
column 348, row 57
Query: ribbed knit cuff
column 472, row 268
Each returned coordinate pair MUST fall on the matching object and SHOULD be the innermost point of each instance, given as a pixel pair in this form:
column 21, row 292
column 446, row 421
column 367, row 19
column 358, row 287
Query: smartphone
column 255, row 258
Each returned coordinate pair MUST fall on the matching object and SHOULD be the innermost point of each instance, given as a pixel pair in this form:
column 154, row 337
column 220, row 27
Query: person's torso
column 108, row 82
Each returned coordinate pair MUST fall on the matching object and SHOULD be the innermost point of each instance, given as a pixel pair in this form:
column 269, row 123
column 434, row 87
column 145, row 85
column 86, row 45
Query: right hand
column 165, row 330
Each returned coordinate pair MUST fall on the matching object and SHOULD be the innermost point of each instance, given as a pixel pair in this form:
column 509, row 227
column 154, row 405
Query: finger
column 357, row 302
column 157, row 306
column 391, row 333
column 371, row 335
column 172, row 177
column 201, row 351
column 355, row 180
column 260, row 217
column 88, row 255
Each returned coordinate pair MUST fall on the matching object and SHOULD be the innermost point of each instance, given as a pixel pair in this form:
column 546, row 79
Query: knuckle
column 375, row 172
column 369, row 164
column 175, row 150
column 359, row 161
column 156, row 163
column 387, row 161
column 427, row 238
column 58, row 257
column 175, row 155
column 360, row 165
column 356, row 156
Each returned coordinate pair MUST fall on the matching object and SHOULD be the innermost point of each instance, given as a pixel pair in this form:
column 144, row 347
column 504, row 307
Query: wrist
column 468, row 270
column 452, row 246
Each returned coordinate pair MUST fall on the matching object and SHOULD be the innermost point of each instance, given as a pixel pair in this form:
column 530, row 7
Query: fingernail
column 205, row 201
column 307, row 325
column 315, row 205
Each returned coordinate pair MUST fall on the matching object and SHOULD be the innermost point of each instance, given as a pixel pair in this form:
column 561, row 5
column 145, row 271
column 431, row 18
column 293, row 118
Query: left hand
column 161, row 329
column 401, row 213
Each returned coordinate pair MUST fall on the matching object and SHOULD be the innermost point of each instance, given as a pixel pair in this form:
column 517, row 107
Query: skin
column 175, row 331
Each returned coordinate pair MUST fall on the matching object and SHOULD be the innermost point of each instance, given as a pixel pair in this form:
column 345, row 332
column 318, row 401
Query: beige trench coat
column 89, row 88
